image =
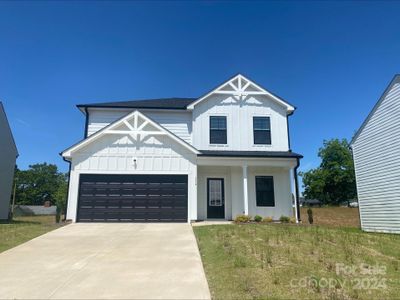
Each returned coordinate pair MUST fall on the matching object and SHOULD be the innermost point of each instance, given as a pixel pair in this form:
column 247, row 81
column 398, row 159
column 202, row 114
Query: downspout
column 296, row 183
column 288, row 130
column 86, row 123
column 69, row 178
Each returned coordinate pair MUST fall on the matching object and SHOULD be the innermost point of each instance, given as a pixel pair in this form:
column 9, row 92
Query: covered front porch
column 231, row 186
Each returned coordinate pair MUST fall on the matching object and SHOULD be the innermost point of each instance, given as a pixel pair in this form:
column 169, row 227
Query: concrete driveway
column 106, row 261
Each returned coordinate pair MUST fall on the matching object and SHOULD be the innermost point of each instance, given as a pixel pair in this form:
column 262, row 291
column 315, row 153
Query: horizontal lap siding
column 376, row 157
column 179, row 123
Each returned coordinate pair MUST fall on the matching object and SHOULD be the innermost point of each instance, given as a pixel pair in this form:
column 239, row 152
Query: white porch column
column 245, row 193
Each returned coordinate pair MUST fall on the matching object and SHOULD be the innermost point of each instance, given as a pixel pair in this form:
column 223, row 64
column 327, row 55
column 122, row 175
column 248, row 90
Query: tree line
column 334, row 181
column 40, row 183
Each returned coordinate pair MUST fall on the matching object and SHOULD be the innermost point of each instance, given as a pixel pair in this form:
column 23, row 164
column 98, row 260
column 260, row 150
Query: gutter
column 296, row 183
column 86, row 122
column 288, row 130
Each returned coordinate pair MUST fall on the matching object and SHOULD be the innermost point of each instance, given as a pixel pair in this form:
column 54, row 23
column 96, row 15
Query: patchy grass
column 267, row 261
column 333, row 216
column 23, row 229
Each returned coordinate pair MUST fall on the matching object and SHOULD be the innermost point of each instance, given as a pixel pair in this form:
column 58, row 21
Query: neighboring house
column 9, row 154
column 375, row 149
column 34, row 210
column 184, row 159
column 309, row 202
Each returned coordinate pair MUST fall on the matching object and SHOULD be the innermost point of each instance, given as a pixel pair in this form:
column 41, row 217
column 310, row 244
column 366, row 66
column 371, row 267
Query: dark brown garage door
column 132, row 198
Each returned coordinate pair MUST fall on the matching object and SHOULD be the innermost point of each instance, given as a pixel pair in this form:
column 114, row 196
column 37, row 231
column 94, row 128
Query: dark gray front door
column 215, row 198
column 132, row 198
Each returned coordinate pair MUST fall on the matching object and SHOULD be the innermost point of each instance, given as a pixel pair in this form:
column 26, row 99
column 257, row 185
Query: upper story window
column 218, row 130
column 265, row 191
column 262, row 130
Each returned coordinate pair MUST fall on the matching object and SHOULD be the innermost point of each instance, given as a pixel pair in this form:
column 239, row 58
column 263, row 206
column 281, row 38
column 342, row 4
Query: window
column 262, row 130
column 217, row 130
column 265, row 191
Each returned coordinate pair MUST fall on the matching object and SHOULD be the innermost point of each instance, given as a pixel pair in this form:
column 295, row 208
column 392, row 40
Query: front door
column 215, row 198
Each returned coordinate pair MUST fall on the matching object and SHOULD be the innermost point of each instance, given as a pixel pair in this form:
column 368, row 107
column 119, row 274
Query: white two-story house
column 185, row 159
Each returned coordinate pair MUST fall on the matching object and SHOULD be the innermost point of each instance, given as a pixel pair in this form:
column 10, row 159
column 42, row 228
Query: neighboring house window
column 218, row 130
column 265, row 191
column 262, row 130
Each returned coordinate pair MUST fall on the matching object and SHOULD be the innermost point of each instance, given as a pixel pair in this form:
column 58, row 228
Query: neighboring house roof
column 135, row 129
column 396, row 79
column 275, row 154
column 7, row 124
column 238, row 85
column 161, row 103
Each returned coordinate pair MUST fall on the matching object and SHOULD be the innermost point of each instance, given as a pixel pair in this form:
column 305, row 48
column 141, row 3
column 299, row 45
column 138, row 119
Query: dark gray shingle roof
column 162, row 103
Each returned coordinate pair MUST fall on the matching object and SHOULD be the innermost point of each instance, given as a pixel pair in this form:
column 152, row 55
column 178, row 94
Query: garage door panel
column 132, row 198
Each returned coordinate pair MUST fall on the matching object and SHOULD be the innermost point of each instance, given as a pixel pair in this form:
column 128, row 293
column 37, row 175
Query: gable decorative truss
column 241, row 88
column 136, row 125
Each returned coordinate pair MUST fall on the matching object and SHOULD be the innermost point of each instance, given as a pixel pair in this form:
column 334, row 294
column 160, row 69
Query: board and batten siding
column 113, row 154
column 376, row 151
column 179, row 123
column 240, row 123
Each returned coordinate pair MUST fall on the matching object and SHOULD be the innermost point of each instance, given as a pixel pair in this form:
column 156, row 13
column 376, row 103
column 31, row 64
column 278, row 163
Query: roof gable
column 241, row 88
column 396, row 79
column 135, row 124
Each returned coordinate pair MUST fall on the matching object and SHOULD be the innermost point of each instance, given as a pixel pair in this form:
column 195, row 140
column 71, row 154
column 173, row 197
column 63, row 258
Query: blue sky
column 331, row 59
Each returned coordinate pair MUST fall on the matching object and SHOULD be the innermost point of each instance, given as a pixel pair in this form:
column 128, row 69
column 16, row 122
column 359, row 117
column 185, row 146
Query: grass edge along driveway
column 23, row 229
column 267, row 261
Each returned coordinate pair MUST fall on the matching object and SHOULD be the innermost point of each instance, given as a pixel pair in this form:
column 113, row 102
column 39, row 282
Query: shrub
column 267, row 220
column 242, row 219
column 284, row 219
column 58, row 214
column 310, row 216
column 258, row 218
column 293, row 220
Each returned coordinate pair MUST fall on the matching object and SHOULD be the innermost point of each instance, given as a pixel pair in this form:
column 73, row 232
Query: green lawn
column 23, row 229
column 278, row 261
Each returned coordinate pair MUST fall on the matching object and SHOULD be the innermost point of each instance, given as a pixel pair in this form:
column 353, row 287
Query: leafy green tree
column 333, row 182
column 38, row 184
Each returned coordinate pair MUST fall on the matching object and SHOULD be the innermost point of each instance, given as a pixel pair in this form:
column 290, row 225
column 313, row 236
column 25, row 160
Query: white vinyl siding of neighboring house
column 240, row 123
column 376, row 158
column 178, row 122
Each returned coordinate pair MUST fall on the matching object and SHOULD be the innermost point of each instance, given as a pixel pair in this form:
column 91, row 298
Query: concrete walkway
column 106, row 261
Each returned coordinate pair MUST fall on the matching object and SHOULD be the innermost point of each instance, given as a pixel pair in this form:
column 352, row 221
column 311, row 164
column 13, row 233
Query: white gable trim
column 135, row 130
column 241, row 90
